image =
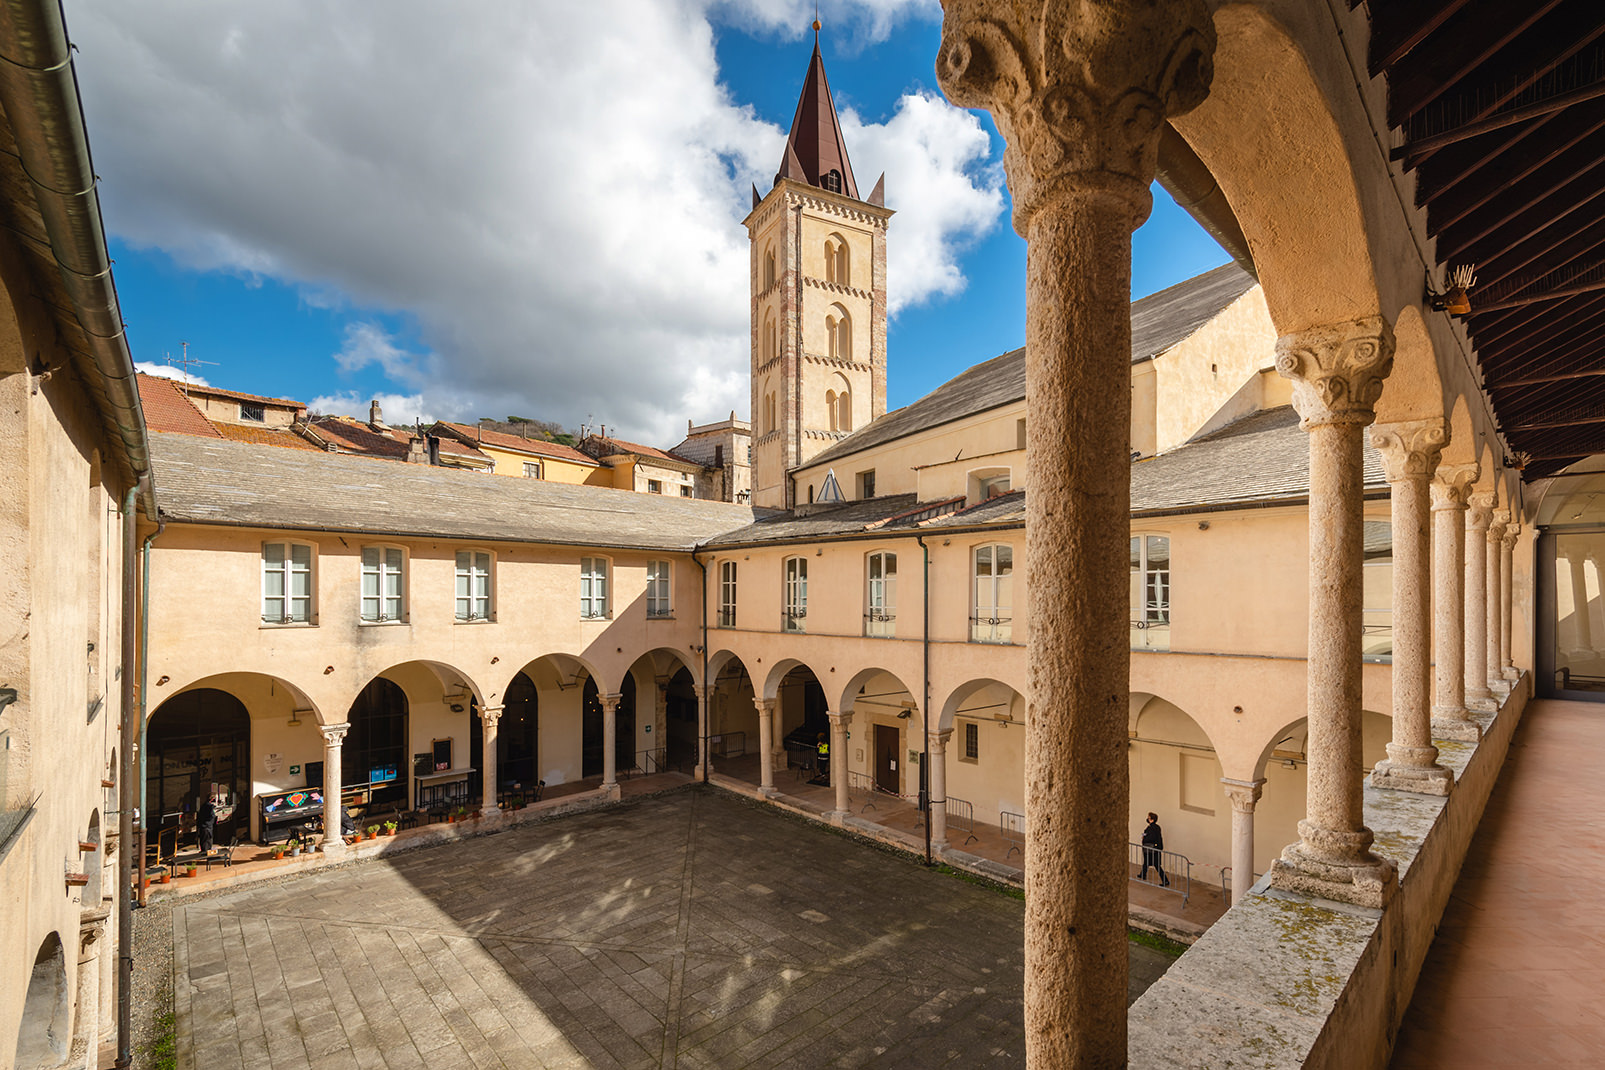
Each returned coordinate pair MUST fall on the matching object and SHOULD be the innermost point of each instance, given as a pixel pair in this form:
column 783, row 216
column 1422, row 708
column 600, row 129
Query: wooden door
column 886, row 753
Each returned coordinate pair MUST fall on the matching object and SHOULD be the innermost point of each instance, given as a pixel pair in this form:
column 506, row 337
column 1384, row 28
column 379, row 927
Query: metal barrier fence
column 1012, row 825
column 961, row 818
column 1178, row 868
column 728, row 745
column 804, row 758
column 861, row 787
column 1226, row 882
column 647, row 762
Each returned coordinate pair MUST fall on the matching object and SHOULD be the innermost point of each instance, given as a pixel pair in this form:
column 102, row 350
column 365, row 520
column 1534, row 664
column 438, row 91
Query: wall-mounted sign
column 273, row 761
column 295, row 770
column 649, row 730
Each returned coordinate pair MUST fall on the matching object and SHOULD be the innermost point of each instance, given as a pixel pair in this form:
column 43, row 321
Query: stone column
column 1495, row 616
column 1080, row 94
column 1337, row 373
column 938, row 786
column 1449, row 717
column 1410, row 454
column 1243, row 795
column 766, row 744
column 489, row 718
column 1582, row 626
column 333, row 739
column 85, row 1050
column 1479, row 514
column 838, row 761
column 703, row 767
column 610, row 730
column 1507, row 556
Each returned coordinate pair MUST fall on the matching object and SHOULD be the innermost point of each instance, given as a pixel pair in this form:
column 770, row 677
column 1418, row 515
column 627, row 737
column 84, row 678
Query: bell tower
column 818, row 297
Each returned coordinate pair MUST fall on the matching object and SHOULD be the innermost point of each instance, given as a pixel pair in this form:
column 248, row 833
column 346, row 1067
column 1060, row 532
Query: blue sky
column 255, row 244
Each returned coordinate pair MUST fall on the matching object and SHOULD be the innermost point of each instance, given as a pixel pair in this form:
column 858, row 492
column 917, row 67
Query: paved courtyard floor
column 691, row 929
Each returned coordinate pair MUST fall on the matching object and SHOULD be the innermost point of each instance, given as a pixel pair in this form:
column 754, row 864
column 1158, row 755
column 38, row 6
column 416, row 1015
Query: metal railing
column 728, row 745
column 961, row 818
column 647, row 762
column 1177, row 869
column 1012, row 826
column 1226, row 882
column 861, row 787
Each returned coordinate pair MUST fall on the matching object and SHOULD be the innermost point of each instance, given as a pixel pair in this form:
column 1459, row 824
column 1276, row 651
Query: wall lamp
column 1456, row 300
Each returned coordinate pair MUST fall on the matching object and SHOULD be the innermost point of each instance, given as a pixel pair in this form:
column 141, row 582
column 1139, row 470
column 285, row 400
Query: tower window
column 832, row 180
column 768, row 268
column 839, row 333
column 837, row 261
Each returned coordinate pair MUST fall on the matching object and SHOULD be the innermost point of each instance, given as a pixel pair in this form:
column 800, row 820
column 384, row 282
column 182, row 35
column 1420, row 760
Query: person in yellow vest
column 823, row 747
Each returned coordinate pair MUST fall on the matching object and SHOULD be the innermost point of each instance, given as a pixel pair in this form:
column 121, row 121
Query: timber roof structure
column 212, row 481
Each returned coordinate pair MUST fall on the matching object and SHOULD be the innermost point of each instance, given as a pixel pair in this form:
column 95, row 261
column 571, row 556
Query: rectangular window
column 532, row 470
column 287, row 583
column 654, row 486
column 971, row 751
column 593, row 587
column 685, row 490
column 657, row 589
column 880, row 618
column 473, row 585
column 381, row 583
column 993, row 619
column 250, row 410
column 1376, row 640
column 727, row 594
column 1150, row 592
column 796, row 612
column 866, row 484
column 1019, row 433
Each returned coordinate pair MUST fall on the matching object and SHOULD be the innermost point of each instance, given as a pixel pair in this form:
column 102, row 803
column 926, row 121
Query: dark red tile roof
column 264, row 436
column 167, row 409
column 517, row 443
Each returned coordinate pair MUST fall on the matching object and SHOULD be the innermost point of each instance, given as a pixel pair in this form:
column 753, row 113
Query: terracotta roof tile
column 264, row 436
column 619, row 445
column 167, row 409
column 218, row 392
column 518, row 443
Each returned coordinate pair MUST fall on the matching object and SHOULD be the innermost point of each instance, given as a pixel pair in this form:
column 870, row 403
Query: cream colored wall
column 1144, row 397
column 671, row 478
column 1197, row 375
column 553, row 469
column 227, row 411
column 60, row 572
column 907, row 465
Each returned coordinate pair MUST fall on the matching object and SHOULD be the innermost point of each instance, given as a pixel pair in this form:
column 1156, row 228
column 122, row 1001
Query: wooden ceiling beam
column 1459, row 180
column 1512, row 385
column 1579, row 338
column 1414, row 151
column 1494, row 331
column 1566, row 185
column 1550, row 425
column 1549, row 250
column 1461, row 47
column 1548, row 295
column 1397, row 26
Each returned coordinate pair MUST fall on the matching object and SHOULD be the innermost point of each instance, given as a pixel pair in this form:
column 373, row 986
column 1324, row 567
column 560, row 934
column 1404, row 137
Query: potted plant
column 295, row 846
column 390, row 828
column 191, row 869
column 373, row 832
column 166, row 877
column 278, row 851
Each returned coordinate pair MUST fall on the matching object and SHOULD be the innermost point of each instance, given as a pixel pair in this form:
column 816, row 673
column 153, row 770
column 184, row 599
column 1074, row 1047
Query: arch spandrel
column 779, row 671
column 1287, row 175
column 1414, row 389
column 962, row 697
column 264, row 695
column 847, row 695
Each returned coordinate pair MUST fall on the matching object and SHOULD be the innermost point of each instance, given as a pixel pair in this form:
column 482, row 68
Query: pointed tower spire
column 815, row 151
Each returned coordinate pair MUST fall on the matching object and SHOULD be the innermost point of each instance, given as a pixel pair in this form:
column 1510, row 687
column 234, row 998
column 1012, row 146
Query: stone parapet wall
column 1286, row 980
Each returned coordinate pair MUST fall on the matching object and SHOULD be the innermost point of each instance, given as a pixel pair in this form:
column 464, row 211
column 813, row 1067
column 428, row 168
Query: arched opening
column 1176, row 773
column 197, row 747
column 680, row 721
column 375, row 751
column 986, row 752
column 517, row 737
column 838, row 263
column 839, row 333
column 594, row 729
column 885, row 734
column 93, row 863
column 769, row 267
column 1570, row 654
column 732, row 718
column 42, row 1036
column 769, row 340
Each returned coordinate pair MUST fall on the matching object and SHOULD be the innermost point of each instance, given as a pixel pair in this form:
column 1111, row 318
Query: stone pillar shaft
column 489, row 718
column 1478, row 516
column 838, row 759
column 333, row 738
column 1243, row 795
column 704, row 696
column 766, row 748
column 610, row 743
column 938, row 786
column 1507, row 554
column 1410, row 455
column 1495, row 604
column 1449, row 717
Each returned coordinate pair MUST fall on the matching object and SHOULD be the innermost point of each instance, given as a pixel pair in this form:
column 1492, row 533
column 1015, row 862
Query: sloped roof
column 218, row 392
column 212, row 481
column 516, row 443
column 1158, row 321
column 815, row 146
column 609, row 445
column 264, row 436
column 167, row 409
column 352, row 437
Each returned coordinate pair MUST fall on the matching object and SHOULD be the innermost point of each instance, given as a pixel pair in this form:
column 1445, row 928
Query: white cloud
column 551, row 193
column 169, row 371
column 398, row 410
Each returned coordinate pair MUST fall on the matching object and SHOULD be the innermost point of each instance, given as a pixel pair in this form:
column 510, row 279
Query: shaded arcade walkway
column 1515, row 973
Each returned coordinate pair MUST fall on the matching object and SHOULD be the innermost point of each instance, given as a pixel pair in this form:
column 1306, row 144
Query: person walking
column 206, row 826
column 1153, row 842
column 822, row 751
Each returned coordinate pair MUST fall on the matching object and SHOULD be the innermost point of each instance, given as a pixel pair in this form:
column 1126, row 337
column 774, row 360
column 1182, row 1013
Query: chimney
column 434, row 450
column 375, row 417
column 416, row 451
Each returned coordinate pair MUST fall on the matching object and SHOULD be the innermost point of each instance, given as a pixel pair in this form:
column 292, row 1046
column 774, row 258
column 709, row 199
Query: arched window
column 838, row 266
column 830, row 408
column 831, row 180
column 839, row 333
column 839, row 404
column 769, row 338
column 769, row 412
column 769, row 267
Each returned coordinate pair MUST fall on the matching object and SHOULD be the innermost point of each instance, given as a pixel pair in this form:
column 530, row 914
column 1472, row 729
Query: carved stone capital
column 1243, row 793
column 610, row 703
column 1512, row 533
column 840, row 720
column 764, row 705
column 938, row 739
column 1451, row 485
column 1496, row 526
column 334, row 734
column 1337, row 370
column 1479, row 510
column 1410, row 451
column 489, row 715
column 1080, row 92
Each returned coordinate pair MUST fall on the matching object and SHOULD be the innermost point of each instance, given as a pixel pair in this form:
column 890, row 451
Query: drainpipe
column 706, row 713
column 925, row 689
column 125, row 803
column 144, row 691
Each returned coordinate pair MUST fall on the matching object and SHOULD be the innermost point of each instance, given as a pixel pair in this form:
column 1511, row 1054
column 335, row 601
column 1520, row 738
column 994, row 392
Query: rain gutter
column 40, row 96
column 1184, row 176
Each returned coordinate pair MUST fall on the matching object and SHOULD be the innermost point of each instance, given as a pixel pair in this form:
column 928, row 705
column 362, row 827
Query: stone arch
column 42, row 1035
column 1287, row 175
column 986, row 752
column 1012, row 711
column 839, row 333
column 731, row 689
column 1462, row 445
column 93, row 862
column 1413, row 390
column 200, row 736
column 779, row 671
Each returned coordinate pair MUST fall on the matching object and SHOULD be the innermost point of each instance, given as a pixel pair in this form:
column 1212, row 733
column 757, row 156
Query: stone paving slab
column 688, row 930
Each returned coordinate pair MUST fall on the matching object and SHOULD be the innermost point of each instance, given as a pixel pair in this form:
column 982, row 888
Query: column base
column 1335, row 865
column 837, row 817
column 697, row 772
column 1484, row 703
column 1511, row 674
column 1454, row 724
column 494, row 813
column 769, row 793
column 1501, row 688
column 1423, row 780
column 336, row 849
column 613, row 791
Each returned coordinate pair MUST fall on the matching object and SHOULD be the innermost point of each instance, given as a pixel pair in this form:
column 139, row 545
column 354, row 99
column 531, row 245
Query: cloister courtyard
column 686, row 929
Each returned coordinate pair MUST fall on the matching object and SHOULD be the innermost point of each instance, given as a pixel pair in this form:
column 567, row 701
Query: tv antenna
column 184, row 363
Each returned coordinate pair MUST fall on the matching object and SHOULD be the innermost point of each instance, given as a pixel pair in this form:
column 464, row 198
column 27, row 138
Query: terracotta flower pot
column 166, row 878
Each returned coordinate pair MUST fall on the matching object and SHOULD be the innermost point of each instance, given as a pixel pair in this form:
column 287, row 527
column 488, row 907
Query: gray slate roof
column 1158, row 322
column 213, row 481
column 1265, row 456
